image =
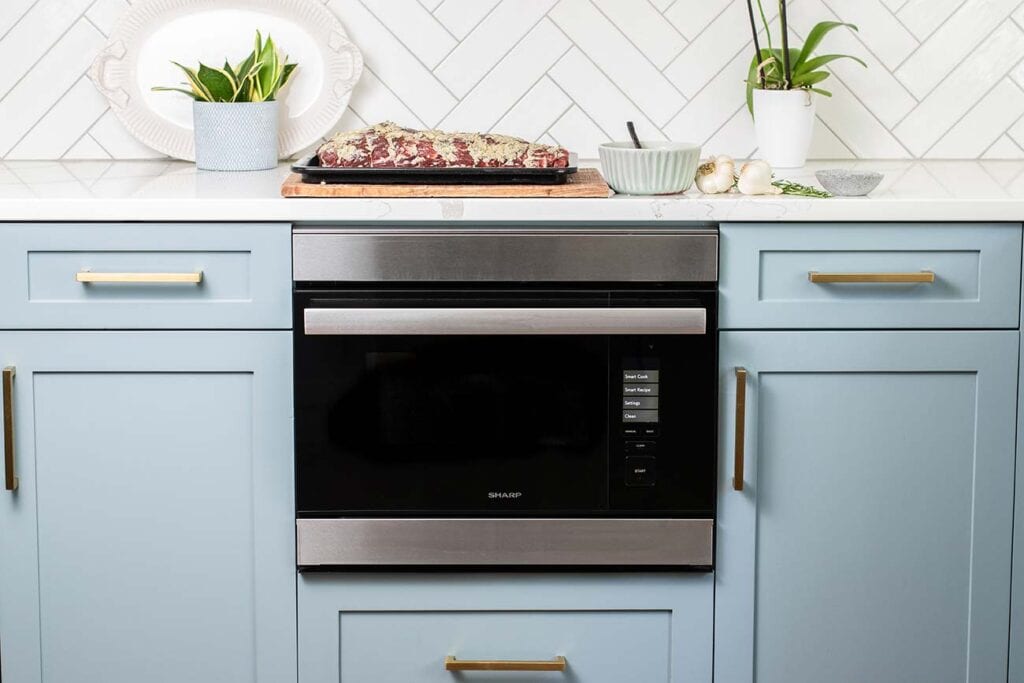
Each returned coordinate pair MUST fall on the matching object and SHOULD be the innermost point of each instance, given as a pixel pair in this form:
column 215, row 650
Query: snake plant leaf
column 255, row 91
column 286, row 73
column 257, row 78
column 815, row 36
column 231, row 72
column 217, row 81
column 270, row 71
column 200, row 90
column 245, row 82
column 243, row 67
column 190, row 93
column 816, row 63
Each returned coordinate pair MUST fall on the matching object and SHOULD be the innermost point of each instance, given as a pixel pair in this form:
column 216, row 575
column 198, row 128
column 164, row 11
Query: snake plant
column 790, row 68
column 257, row 78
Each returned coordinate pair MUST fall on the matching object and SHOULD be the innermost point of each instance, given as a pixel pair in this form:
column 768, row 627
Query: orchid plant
column 785, row 67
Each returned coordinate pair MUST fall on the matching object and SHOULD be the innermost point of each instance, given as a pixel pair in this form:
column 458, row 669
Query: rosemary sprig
column 799, row 190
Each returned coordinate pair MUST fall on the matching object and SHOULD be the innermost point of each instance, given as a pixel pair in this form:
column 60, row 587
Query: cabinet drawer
column 154, row 276
column 396, row 647
column 782, row 276
column 402, row 629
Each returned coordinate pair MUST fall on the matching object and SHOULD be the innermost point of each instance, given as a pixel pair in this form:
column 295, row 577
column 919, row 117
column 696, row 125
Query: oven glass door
column 435, row 423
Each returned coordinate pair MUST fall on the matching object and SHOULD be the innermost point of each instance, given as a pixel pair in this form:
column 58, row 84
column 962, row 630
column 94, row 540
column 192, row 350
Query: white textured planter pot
column 235, row 136
column 783, row 123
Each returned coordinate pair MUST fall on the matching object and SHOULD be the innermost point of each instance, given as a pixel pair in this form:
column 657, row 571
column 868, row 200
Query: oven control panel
column 640, row 425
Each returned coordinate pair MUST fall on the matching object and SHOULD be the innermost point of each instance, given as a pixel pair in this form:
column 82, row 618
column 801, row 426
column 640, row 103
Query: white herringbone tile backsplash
column 945, row 77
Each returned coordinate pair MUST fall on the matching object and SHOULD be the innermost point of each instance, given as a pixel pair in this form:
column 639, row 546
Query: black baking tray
column 312, row 172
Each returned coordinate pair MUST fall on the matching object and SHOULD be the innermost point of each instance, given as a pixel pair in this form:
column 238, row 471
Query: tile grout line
column 614, row 84
column 836, row 135
column 891, row 72
column 639, row 49
column 86, row 132
column 34, row 64
column 459, row 40
column 976, row 104
column 872, row 114
column 533, row 85
column 46, row 113
column 20, row 17
column 400, row 42
column 498, row 63
column 393, row 94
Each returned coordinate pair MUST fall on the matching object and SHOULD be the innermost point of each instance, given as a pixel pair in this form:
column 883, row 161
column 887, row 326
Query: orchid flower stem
column 784, row 24
column 764, row 20
column 757, row 43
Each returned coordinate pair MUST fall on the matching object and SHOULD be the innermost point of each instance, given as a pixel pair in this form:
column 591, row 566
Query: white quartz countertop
column 176, row 191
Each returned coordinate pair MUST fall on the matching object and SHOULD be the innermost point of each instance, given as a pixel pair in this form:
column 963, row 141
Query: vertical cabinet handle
column 741, row 419
column 10, row 480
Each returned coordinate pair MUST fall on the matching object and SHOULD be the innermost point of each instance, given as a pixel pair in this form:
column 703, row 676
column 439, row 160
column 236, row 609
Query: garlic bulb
column 716, row 175
column 756, row 178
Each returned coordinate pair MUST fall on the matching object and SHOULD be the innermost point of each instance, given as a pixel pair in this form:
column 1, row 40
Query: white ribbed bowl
column 659, row 168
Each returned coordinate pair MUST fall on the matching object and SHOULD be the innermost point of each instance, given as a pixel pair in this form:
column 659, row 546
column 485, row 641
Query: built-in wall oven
column 505, row 398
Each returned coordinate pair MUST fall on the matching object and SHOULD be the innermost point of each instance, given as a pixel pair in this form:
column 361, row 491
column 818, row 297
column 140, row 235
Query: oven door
column 491, row 405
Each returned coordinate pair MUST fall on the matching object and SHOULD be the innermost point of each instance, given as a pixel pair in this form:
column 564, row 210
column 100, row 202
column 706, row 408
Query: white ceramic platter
column 154, row 32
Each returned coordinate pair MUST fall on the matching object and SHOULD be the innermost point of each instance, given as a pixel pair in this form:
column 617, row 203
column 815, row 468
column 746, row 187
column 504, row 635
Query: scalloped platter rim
column 150, row 34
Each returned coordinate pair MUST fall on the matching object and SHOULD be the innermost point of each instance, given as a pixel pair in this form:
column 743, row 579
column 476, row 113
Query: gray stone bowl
column 843, row 182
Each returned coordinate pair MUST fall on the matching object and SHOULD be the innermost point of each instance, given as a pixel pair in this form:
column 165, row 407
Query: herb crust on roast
column 388, row 145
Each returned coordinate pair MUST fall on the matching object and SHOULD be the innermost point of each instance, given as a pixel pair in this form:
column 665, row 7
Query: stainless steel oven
column 505, row 398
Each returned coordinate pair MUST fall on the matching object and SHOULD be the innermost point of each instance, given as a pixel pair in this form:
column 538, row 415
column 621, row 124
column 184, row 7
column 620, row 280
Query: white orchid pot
column 783, row 123
column 235, row 136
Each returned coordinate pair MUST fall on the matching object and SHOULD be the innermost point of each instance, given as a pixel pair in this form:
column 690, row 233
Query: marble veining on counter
column 176, row 191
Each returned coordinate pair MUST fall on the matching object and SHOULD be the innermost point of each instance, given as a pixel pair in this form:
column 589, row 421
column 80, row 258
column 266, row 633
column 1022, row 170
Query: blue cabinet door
column 610, row 628
column 1017, row 601
column 151, row 537
column 870, row 540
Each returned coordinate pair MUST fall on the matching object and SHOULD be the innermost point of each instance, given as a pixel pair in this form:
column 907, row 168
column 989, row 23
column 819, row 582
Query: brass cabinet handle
column 741, row 419
column 88, row 277
column 924, row 276
column 452, row 664
column 10, row 480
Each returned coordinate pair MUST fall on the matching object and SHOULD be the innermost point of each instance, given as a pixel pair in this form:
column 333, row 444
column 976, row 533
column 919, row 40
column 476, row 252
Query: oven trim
column 535, row 542
column 468, row 255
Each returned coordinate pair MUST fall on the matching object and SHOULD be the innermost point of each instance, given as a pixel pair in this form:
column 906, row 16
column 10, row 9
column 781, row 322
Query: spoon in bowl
column 632, row 134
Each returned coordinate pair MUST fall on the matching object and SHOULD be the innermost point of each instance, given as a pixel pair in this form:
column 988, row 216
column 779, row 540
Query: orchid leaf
column 815, row 36
column 810, row 78
column 816, row 63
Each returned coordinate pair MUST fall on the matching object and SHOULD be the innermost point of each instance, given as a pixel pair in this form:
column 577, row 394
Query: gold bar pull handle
column 924, row 276
column 89, row 277
column 10, row 480
column 741, row 420
column 452, row 664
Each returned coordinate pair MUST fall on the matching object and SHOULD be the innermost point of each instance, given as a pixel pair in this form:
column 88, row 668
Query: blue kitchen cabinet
column 870, row 540
column 151, row 535
column 610, row 628
column 1017, row 594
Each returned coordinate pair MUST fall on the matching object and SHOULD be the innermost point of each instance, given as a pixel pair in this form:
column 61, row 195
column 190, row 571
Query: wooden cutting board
column 587, row 182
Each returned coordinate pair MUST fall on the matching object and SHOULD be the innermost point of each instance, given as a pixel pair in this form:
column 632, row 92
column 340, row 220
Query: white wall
column 945, row 77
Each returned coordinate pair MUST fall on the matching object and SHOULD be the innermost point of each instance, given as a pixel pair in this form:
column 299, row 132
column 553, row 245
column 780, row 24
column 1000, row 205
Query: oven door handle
column 502, row 321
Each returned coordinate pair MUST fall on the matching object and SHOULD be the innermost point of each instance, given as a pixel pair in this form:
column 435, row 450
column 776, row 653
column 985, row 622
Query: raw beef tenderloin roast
column 387, row 145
